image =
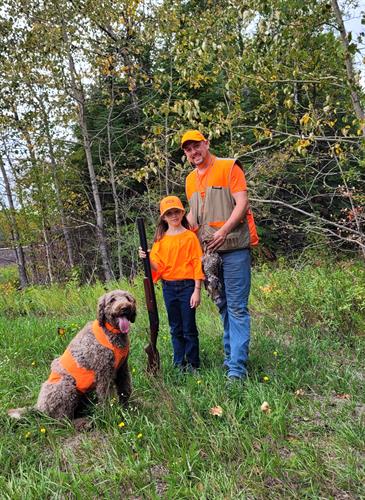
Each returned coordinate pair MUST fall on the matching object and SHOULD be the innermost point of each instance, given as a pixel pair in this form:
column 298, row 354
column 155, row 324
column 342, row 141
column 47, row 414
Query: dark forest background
column 94, row 99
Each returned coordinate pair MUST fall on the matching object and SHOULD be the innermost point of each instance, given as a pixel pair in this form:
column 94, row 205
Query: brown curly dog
column 96, row 359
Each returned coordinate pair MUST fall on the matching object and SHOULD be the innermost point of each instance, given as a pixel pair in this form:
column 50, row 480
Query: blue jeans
column 233, row 308
column 184, row 333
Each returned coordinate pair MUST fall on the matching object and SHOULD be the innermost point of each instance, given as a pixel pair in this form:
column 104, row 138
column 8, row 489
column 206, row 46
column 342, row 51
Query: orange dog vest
column 84, row 378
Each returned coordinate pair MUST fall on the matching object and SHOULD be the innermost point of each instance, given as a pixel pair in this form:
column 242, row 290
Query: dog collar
column 111, row 328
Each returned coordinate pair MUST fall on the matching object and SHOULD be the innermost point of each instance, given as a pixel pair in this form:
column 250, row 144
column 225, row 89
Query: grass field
column 306, row 362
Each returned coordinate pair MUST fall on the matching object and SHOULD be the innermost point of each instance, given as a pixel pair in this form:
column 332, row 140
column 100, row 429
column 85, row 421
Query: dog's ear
column 101, row 311
column 132, row 300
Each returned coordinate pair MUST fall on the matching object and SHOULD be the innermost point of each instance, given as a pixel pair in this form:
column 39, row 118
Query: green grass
column 307, row 339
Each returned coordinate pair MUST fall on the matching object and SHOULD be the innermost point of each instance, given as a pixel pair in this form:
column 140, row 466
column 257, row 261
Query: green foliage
column 329, row 298
column 306, row 361
column 256, row 77
column 9, row 276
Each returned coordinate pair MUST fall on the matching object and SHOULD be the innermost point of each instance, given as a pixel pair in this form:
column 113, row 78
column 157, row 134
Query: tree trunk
column 43, row 205
column 56, row 183
column 113, row 184
column 77, row 93
column 23, row 278
column 351, row 79
column 32, row 275
column 48, row 255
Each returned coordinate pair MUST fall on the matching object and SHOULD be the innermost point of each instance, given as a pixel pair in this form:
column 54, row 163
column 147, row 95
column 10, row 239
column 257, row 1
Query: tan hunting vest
column 212, row 211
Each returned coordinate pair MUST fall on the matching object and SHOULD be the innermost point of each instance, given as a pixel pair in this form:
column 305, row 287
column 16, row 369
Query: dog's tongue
column 123, row 325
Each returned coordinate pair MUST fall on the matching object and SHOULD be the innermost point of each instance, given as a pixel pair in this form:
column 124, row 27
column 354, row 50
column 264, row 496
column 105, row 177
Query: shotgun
column 153, row 364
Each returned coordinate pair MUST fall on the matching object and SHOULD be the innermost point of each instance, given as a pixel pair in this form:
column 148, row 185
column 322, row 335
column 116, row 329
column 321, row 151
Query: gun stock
column 153, row 364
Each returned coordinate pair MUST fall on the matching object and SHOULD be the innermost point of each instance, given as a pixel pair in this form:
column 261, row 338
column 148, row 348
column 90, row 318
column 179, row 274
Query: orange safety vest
column 211, row 213
column 84, row 378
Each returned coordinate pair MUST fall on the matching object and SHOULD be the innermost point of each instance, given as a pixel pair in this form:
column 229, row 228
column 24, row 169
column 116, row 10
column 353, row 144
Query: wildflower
column 33, row 363
column 27, row 435
column 121, row 424
column 140, row 435
column 266, row 289
column 133, row 370
column 275, row 353
column 198, row 381
column 42, row 430
column 266, row 378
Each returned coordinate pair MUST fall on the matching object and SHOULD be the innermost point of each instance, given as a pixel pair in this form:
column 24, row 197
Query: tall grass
column 307, row 362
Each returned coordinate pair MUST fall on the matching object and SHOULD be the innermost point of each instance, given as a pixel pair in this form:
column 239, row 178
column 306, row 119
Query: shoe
column 191, row 369
column 180, row 368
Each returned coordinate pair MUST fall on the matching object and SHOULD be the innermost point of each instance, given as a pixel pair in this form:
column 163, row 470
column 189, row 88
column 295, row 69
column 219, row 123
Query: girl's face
column 173, row 217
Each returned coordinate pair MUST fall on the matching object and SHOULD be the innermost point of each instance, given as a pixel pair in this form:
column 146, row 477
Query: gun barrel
column 144, row 246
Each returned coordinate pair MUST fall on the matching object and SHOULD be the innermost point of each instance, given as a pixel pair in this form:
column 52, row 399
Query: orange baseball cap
column 170, row 202
column 192, row 135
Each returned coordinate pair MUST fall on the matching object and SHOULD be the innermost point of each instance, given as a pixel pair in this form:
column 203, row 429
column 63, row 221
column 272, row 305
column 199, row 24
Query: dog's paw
column 82, row 424
column 17, row 413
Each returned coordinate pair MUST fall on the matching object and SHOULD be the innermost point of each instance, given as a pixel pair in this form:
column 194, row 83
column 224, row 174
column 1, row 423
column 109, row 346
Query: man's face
column 196, row 151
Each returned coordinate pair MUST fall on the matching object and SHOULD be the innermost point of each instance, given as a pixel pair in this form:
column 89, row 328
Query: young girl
column 176, row 259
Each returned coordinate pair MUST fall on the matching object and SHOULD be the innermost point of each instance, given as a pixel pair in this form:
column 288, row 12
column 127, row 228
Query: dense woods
column 95, row 96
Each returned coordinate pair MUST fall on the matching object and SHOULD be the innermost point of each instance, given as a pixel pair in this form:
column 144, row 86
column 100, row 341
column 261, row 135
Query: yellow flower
column 140, row 435
column 275, row 353
column 121, row 424
column 198, row 381
column 27, row 435
column 42, row 430
column 133, row 370
column 266, row 378
column 33, row 363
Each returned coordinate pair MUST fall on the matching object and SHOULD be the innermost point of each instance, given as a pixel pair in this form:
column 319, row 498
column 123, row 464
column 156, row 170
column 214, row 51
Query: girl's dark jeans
column 184, row 333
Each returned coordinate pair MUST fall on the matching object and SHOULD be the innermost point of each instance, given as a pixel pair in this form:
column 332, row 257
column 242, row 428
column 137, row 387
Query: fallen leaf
column 216, row 411
column 17, row 413
column 343, row 396
column 299, row 392
column 291, row 437
column 200, row 487
column 265, row 407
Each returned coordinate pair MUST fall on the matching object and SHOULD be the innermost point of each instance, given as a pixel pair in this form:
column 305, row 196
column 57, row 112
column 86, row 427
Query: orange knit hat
column 170, row 202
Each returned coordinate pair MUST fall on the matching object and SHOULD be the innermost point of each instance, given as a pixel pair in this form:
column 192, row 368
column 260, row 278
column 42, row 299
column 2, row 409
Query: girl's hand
column 195, row 298
column 141, row 253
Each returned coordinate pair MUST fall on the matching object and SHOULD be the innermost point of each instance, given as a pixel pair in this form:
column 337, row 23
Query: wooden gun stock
column 153, row 363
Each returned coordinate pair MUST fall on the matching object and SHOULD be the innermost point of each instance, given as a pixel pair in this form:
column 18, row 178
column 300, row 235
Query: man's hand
column 218, row 238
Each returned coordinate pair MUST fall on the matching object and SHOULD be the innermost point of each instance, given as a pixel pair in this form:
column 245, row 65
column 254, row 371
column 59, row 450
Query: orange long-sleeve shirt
column 177, row 257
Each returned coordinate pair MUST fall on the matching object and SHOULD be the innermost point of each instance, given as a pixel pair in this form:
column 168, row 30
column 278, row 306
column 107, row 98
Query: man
column 217, row 193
